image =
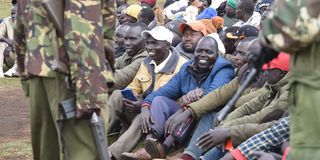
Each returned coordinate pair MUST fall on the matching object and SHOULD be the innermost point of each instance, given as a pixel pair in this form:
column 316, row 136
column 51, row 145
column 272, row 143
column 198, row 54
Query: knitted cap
column 232, row 3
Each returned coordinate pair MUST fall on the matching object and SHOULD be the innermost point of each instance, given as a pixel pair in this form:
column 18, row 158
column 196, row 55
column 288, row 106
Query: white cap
column 159, row 33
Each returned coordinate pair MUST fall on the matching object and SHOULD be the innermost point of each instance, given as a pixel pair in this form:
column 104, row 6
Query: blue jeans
column 161, row 109
column 205, row 123
column 213, row 154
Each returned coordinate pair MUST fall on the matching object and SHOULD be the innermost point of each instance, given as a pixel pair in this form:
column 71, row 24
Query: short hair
column 248, row 5
column 214, row 41
column 147, row 13
column 142, row 26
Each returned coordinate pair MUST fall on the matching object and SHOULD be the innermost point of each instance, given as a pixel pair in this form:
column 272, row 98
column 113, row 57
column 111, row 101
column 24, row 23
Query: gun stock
column 55, row 10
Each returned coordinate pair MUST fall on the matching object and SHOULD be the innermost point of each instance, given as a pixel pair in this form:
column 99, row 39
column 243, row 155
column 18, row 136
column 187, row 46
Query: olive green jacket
column 126, row 69
column 259, row 113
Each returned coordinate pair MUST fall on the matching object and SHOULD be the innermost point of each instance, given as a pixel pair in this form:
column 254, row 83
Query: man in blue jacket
column 195, row 79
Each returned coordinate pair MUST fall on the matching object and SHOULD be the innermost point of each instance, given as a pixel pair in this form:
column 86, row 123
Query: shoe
column 154, row 148
column 140, row 154
column 10, row 73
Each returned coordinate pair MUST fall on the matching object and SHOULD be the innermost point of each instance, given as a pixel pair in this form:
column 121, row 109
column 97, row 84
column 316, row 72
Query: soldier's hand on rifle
column 133, row 106
column 213, row 137
column 146, row 120
column 176, row 119
column 85, row 113
column 195, row 94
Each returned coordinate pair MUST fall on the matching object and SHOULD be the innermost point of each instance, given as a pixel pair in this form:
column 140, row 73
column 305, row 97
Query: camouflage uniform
column 82, row 52
column 294, row 27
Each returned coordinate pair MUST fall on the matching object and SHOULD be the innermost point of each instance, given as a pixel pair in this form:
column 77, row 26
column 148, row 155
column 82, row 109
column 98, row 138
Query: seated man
column 191, row 32
column 156, row 70
column 128, row 64
column 196, row 78
column 6, row 42
column 132, row 13
column 205, row 108
column 120, row 49
column 266, row 141
column 255, row 115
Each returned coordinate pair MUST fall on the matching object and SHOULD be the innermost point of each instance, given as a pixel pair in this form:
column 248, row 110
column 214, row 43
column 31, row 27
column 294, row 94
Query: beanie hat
column 194, row 25
column 281, row 62
column 207, row 13
column 232, row 3
column 133, row 10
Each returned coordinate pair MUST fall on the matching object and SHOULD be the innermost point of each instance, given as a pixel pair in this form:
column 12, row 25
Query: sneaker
column 10, row 73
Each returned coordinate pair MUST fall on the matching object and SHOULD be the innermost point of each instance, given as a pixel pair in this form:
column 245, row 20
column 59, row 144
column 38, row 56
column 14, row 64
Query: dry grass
column 16, row 149
column 5, row 8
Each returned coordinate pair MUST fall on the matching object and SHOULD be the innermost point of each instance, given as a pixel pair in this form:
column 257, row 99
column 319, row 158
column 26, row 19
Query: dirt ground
column 14, row 122
column 14, row 114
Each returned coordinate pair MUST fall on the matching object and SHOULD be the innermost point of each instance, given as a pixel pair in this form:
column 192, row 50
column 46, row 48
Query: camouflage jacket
column 81, row 49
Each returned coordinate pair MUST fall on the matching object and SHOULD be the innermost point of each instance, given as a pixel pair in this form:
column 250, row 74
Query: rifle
column 55, row 10
column 229, row 106
column 67, row 108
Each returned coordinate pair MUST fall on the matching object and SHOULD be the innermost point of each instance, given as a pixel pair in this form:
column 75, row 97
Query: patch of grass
column 16, row 149
column 10, row 82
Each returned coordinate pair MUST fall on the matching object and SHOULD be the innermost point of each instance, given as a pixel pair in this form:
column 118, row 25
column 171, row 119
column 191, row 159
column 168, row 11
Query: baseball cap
column 281, row 62
column 159, row 33
column 194, row 25
column 133, row 10
column 243, row 32
column 173, row 26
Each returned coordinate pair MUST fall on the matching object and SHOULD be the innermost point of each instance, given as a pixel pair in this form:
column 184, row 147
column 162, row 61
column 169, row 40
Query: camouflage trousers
column 77, row 143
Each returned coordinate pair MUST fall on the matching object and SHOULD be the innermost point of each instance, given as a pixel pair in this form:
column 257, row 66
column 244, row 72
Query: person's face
column 13, row 13
column 205, row 54
column 129, row 19
column 230, row 11
column 263, row 17
column 143, row 19
column 120, row 14
column 239, row 11
column 158, row 50
column 119, row 36
column 190, row 39
column 176, row 39
column 275, row 75
column 133, row 41
column 263, row 9
column 241, row 54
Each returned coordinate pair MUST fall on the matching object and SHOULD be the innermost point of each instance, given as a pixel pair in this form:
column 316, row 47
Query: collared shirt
column 158, row 68
column 267, row 139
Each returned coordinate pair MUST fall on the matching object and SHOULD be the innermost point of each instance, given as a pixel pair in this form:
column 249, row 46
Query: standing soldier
column 294, row 27
column 42, row 55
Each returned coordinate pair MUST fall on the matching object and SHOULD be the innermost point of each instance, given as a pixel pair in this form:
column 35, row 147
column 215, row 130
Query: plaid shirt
column 267, row 139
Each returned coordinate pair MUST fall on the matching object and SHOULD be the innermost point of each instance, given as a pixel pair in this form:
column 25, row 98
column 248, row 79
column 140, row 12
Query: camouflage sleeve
column 84, row 41
column 293, row 24
column 19, row 35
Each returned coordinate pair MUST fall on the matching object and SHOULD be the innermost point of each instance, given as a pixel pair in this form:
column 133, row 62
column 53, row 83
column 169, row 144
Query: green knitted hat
column 232, row 3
